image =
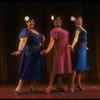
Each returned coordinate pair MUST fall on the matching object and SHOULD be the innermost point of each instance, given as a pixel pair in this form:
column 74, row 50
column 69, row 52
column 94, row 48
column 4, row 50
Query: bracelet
column 19, row 51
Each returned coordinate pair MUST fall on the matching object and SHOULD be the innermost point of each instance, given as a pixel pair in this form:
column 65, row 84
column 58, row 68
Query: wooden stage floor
column 92, row 92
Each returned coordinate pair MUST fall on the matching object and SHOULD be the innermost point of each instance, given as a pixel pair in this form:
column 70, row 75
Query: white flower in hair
column 52, row 17
column 26, row 18
column 73, row 18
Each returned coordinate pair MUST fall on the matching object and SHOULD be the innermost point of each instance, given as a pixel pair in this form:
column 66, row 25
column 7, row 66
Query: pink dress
column 61, row 53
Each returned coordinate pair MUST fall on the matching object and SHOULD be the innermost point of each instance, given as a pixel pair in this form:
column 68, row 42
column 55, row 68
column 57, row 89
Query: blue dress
column 81, row 59
column 32, row 62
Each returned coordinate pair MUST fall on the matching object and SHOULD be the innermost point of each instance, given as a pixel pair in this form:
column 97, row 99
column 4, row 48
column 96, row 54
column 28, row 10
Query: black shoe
column 70, row 90
column 61, row 89
column 80, row 88
column 17, row 93
column 33, row 91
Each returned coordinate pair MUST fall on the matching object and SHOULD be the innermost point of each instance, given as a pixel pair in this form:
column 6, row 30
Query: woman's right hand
column 44, row 52
column 69, row 46
column 15, row 53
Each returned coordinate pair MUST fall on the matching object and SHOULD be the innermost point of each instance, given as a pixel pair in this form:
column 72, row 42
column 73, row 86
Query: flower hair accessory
column 73, row 18
column 26, row 18
column 52, row 17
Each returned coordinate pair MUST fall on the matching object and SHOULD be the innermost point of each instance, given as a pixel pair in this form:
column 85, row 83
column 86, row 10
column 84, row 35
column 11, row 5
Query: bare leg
column 79, row 81
column 20, row 86
column 71, row 86
column 60, row 86
column 73, row 79
column 59, row 82
column 33, row 85
column 48, row 90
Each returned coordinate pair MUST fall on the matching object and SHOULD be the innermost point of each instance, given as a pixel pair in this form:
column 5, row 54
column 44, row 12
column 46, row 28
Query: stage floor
column 92, row 92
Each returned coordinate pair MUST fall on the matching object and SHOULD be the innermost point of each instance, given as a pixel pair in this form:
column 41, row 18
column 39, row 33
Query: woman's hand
column 69, row 46
column 44, row 52
column 16, row 53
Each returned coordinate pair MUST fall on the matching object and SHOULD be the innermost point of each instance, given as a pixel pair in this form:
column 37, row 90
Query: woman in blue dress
column 79, row 46
column 32, row 62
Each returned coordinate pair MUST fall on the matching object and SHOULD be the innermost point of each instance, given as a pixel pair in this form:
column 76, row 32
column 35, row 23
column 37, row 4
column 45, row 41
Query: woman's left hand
column 15, row 53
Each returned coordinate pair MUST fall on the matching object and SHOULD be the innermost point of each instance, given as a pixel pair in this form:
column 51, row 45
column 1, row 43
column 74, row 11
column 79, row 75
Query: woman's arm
column 43, row 40
column 22, row 43
column 51, row 43
column 21, row 46
column 75, row 39
column 50, row 46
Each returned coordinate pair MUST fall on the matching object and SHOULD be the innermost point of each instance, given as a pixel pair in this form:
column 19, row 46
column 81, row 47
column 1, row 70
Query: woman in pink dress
column 61, row 54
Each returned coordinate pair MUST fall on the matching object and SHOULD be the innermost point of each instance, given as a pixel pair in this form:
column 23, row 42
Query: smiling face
column 30, row 23
column 58, row 22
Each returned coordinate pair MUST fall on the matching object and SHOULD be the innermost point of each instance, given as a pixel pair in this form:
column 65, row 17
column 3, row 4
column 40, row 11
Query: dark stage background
column 12, row 21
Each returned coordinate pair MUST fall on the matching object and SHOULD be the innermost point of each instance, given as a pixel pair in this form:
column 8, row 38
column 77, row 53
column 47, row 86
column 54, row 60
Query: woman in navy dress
column 79, row 46
column 32, row 62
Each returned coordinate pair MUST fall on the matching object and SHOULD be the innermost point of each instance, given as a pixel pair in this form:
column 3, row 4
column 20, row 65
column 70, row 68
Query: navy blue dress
column 32, row 62
column 81, row 59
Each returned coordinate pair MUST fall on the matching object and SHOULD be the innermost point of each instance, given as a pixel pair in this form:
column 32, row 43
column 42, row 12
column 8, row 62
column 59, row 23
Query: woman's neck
column 80, row 26
column 58, row 27
column 31, row 28
column 34, row 30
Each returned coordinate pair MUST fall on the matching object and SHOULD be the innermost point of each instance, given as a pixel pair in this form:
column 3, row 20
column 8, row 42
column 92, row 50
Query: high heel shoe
column 70, row 89
column 61, row 89
column 80, row 88
column 48, row 90
column 33, row 91
column 17, row 93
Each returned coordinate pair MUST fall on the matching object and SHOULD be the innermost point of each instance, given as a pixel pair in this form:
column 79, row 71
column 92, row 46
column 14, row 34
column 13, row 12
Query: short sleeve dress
column 61, row 53
column 32, row 65
column 81, row 63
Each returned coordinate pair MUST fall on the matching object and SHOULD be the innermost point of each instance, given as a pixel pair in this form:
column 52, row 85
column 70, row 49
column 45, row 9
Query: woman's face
column 79, row 21
column 31, row 23
column 58, row 22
